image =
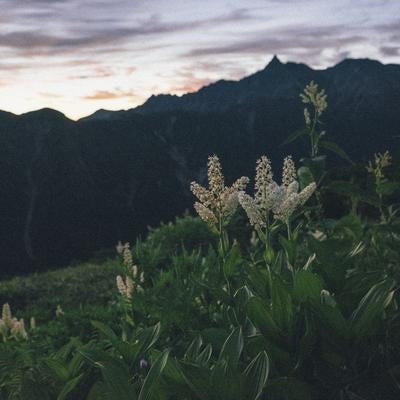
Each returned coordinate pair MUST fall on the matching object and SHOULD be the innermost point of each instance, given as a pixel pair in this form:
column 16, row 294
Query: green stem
column 289, row 235
column 268, row 232
column 289, row 230
column 314, row 149
column 224, row 252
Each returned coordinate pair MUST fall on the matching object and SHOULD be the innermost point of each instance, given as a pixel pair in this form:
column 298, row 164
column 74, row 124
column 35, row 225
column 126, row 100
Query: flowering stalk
column 217, row 204
column 131, row 283
column 317, row 100
column 271, row 199
column 375, row 168
column 10, row 327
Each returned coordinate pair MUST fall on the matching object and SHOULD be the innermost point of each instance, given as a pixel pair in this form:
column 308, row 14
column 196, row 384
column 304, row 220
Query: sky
column 78, row 56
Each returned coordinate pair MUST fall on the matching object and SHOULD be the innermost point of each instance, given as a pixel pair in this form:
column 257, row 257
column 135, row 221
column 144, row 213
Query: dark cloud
column 388, row 27
column 390, row 50
column 99, row 36
column 284, row 41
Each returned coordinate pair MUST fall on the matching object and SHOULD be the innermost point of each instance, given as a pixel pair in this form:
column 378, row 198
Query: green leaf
column 281, row 303
column 75, row 365
column 116, row 377
column 232, row 348
column 307, row 286
column 260, row 281
column 198, row 379
column 334, row 148
column 387, row 188
column 261, row 317
column 149, row 336
column 305, row 347
column 351, row 224
column 144, row 340
column 293, row 136
column 58, row 369
column 226, row 382
column 233, row 261
column 290, row 247
column 256, row 376
column 205, row 355
column 333, row 320
column 371, row 307
column 172, row 372
column 309, row 262
column 305, row 176
column 108, row 333
column 241, row 298
column 151, row 381
column 193, row 350
column 99, row 391
column 215, row 336
column 317, row 166
column 69, row 387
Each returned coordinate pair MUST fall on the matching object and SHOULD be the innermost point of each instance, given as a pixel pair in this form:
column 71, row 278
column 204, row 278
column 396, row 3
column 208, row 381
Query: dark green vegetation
column 72, row 188
column 272, row 299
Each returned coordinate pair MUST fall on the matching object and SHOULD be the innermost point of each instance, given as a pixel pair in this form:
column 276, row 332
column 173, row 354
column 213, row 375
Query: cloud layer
column 97, row 53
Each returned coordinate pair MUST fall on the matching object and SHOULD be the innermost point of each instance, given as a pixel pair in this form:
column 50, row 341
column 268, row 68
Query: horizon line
column 195, row 91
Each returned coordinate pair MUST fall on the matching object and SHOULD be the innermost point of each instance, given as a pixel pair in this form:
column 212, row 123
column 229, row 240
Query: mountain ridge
column 222, row 94
column 165, row 102
column 71, row 188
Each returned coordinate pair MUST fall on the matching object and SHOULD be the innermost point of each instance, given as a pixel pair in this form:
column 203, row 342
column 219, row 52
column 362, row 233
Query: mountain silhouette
column 70, row 188
column 349, row 81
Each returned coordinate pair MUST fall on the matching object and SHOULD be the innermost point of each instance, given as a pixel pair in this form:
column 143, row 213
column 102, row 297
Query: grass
column 72, row 287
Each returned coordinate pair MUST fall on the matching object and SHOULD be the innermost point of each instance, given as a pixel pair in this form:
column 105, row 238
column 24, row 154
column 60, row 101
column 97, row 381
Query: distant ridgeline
column 71, row 188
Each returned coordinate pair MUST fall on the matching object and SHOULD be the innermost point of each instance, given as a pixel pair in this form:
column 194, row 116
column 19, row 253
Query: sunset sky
column 81, row 55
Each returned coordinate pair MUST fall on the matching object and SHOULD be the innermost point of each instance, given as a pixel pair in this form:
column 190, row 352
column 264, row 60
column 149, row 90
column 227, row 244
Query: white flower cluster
column 131, row 283
column 380, row 162
column 11, row 327
column 219, row 201
column 126, row 288
column 282, row 200
column 311, row 95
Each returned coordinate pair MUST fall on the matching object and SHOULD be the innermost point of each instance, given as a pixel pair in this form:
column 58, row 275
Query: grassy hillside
column 72, row 287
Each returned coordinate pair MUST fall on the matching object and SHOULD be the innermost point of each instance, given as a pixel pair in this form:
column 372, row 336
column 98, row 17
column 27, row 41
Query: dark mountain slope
column 71, row 188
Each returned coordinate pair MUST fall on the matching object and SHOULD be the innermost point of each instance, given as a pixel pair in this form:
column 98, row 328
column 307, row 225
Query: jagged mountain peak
column 275, row 62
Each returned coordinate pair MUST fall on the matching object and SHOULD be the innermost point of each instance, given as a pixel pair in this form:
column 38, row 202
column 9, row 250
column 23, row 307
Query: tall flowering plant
column 271, row 201
column 130, row 282
column 217, row 204
column 274, row 205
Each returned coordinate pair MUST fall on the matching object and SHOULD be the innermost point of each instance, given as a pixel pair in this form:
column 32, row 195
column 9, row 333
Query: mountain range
column 70, row 188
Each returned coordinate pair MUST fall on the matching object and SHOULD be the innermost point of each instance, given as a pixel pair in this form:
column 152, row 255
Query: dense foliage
column 265, row 296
